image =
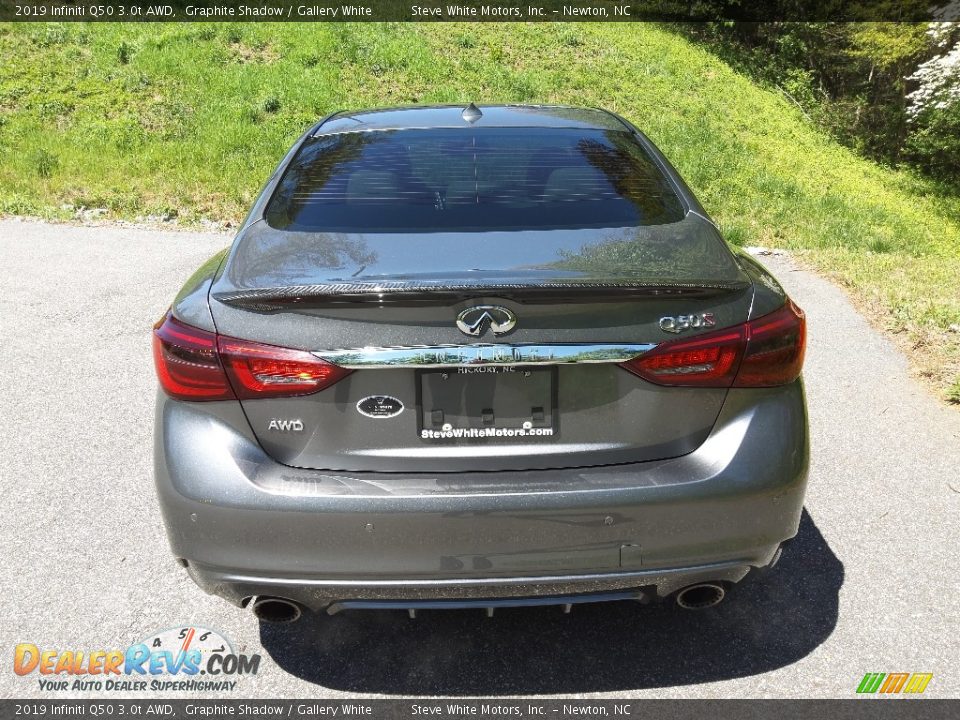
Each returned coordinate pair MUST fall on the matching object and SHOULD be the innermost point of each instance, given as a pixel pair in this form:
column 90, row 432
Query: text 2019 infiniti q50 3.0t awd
column 478, row 357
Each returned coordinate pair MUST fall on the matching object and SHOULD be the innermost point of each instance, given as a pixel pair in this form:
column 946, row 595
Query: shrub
column 934, row 141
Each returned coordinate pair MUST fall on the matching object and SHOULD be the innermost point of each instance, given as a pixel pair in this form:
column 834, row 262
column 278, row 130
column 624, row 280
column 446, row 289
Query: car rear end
column 478, row 362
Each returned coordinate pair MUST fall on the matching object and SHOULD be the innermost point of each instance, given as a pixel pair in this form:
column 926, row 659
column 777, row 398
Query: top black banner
column 480, row 11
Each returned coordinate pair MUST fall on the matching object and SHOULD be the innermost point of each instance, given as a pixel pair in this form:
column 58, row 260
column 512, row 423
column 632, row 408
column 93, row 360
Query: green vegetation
column 188, row 120
column 889, row 90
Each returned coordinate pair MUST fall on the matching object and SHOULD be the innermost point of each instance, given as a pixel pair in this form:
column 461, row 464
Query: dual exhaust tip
column 280, row 610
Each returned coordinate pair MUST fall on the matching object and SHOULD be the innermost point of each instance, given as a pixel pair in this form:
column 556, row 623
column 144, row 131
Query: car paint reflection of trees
column 664, row 253
column 678, row 253
column 277, row 258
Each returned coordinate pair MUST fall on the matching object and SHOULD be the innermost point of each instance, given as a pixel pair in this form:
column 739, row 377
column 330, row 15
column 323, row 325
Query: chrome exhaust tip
column 276, row 610
column 700, row 596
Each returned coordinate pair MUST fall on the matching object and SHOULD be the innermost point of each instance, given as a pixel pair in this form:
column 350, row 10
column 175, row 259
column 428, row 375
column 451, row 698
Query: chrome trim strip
column 483, row 354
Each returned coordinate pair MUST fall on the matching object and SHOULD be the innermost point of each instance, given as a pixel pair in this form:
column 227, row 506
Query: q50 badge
column 687, row 322
column 380, row 407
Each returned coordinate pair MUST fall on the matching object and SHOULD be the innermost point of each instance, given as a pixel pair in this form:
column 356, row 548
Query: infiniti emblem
column 472, row 320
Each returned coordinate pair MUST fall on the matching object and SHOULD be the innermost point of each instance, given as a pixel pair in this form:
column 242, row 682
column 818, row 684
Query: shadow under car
column 768, row 621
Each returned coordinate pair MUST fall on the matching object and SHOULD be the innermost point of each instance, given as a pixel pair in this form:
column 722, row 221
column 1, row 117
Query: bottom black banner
column 874, row 708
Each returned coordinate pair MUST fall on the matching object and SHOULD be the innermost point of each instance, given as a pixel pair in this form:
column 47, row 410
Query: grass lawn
column 188, row 120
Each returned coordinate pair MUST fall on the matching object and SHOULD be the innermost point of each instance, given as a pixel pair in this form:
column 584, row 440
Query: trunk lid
column 387, row 304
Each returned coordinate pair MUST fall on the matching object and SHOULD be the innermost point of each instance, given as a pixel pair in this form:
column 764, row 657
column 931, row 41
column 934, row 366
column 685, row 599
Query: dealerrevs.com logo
column 183, row 658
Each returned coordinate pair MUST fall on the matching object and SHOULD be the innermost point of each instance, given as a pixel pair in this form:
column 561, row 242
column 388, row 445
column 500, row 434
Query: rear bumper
column 247, row 525
column 334, row 595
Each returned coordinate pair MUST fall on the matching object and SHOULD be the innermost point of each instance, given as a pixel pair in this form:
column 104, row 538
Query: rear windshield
column 472, row 179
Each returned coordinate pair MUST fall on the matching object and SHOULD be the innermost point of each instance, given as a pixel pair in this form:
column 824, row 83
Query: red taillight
column 706, row 361
column 194, row 364
column 187, row 364
column 258, row 371
column 775, row 349
column 764, row 352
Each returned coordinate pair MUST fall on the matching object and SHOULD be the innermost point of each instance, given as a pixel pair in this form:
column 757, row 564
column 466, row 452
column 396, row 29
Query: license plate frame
column 522, row 390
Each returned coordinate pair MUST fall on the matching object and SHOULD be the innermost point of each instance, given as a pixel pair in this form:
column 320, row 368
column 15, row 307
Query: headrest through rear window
column 575, row 183
column 372, row 186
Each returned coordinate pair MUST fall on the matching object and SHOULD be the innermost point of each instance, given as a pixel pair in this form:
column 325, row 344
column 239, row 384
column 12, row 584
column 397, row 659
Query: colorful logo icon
column 894, row 683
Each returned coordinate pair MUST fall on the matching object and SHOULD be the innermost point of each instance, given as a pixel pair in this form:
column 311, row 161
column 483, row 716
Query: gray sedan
column 476, row 357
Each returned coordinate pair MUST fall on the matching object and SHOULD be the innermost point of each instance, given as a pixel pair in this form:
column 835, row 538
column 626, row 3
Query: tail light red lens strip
column 706, row 361
column 775, row 349
column 187, row 363
column 764, row 352
column 257, row 371
column 194, row 364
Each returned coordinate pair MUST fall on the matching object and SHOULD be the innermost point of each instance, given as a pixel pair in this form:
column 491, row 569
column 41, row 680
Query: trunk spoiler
column 446, row 293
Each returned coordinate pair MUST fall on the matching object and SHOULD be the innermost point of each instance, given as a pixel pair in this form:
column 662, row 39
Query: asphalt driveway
column 870, row 584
